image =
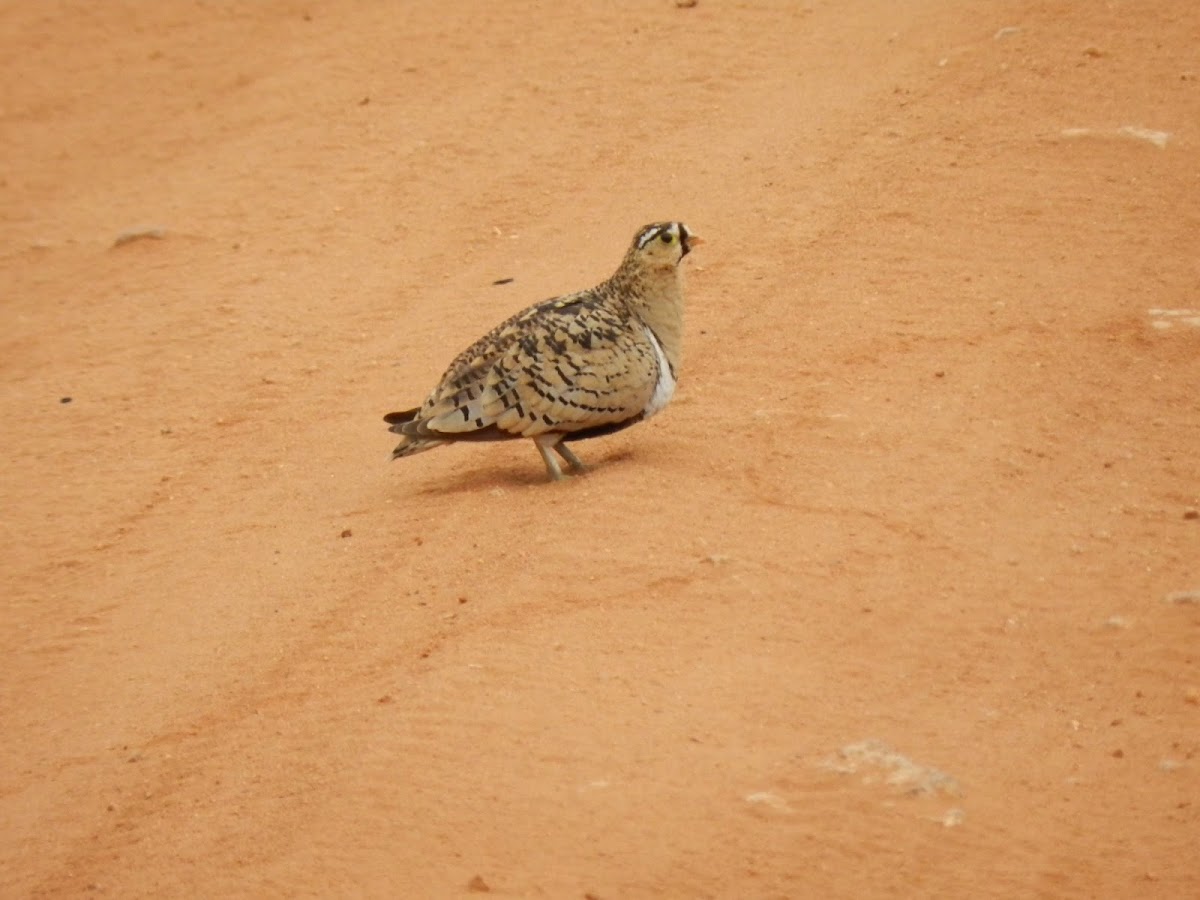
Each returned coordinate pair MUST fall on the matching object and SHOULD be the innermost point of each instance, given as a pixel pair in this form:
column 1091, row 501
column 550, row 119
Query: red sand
column 931, row 472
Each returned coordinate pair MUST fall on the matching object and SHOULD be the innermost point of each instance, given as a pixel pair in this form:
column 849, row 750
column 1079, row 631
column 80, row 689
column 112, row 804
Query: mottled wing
column 567, row 365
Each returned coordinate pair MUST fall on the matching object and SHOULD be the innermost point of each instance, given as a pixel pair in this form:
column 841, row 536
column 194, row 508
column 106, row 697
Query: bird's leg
column 544, row 443
column 572, row 460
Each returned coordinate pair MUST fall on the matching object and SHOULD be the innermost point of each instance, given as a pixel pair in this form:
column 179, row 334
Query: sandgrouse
column 569, row 368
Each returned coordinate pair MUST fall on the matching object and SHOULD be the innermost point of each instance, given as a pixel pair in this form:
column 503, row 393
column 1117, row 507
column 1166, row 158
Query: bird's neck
column 656, row 297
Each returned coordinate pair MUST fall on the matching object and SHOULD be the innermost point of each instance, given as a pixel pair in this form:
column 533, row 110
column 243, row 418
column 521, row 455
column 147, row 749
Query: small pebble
column 954, row 816
column 769, row 800
column 1183, row 597
column 152, row 232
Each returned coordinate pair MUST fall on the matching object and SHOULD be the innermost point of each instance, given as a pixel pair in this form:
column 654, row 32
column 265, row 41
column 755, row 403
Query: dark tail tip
column 401, row 418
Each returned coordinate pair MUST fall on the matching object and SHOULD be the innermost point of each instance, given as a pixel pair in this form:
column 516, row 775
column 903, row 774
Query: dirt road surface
column 899, row 598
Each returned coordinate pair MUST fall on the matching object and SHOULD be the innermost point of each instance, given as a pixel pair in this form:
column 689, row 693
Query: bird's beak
column 692, row 240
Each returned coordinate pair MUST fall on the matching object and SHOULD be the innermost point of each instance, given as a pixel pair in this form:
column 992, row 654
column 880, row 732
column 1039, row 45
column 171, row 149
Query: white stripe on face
column 653, row 232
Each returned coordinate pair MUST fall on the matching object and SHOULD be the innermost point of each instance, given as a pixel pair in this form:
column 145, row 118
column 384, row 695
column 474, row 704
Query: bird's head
column 662, row 245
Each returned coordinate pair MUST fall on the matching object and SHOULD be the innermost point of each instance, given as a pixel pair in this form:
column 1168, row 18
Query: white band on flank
column 664, row 388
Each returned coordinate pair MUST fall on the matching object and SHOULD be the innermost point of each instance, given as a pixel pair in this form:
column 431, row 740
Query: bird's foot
column 576, row 464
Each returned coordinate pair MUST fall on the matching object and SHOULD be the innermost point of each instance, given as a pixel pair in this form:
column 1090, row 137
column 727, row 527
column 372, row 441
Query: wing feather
column 566, row 365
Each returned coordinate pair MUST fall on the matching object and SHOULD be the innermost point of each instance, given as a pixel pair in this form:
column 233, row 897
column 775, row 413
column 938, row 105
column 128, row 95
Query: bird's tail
column 411, row 444
column 398, row 419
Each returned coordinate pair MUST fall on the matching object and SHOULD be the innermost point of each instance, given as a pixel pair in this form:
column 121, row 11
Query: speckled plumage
column 569, row 368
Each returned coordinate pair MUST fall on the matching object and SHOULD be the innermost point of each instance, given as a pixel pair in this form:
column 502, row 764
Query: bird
column 573, row 367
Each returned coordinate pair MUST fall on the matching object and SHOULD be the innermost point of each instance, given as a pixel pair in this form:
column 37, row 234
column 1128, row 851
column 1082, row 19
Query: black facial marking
column 650, row 234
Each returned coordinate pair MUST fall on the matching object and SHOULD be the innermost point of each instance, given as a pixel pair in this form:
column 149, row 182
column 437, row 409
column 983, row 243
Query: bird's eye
column 666, row 237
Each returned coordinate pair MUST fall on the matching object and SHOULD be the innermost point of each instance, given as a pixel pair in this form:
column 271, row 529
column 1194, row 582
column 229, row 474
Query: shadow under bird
column 573, row 367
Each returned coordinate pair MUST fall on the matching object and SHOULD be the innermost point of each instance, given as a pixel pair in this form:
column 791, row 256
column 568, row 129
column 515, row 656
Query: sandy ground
column 893, row 601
